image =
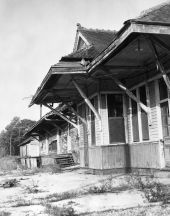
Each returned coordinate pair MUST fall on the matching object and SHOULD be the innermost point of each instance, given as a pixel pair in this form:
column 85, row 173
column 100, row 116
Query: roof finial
column 78, row 26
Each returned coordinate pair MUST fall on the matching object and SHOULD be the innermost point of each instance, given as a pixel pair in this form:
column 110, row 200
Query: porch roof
column 49, row 121
column 128, row 56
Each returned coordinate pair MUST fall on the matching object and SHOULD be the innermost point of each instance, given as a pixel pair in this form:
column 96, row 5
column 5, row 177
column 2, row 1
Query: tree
column 12, row 136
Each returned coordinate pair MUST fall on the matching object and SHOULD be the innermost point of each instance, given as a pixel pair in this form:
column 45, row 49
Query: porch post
column 62, row 116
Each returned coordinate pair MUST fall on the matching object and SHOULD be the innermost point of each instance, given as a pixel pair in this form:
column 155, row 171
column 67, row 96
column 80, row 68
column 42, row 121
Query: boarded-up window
column 115, row 118
column 144, row 116
column 135, row 119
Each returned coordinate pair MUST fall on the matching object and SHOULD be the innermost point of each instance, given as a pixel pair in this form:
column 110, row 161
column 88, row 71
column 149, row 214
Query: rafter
column 61, row 115
column 158, row 63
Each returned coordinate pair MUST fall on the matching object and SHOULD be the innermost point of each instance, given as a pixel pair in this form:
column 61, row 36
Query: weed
column 22, row 203
column 59, row 211
column 10, row 183
column 153, row 190
column 33, row 188
column 3, row 213
column 63, row 196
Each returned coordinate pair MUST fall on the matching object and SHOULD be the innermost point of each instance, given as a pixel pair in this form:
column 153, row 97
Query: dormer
column 80, row 41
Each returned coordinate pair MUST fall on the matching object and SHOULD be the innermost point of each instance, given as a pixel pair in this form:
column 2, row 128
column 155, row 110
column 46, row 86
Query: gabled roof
column 96, row 41
column 159, row 13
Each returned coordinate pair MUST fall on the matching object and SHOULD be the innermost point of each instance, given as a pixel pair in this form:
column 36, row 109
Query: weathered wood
column 53, row 123
column 61, row 115
column 130, row 94
column 76, row 113
column 125, row 67
column 87, row 101
column 158, row 63
column 161, row 43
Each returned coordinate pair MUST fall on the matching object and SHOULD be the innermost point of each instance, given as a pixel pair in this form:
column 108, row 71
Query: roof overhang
column 120, row 58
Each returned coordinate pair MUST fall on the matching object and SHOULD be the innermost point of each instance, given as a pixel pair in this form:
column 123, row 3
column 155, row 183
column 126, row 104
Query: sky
column 35, row 34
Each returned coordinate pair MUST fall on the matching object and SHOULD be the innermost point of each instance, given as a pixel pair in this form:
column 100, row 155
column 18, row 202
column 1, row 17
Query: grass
column 4, row 213
column 163, row 210
column 59, row 211
column 153, row 190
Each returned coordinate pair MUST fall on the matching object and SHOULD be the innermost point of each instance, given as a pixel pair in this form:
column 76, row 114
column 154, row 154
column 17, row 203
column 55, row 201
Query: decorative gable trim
column 79, row 37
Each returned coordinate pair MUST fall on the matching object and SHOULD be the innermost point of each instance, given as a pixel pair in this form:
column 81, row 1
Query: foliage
column 63, row 196
column 10, row 183
column 8, row 164
column 59, row 211
column 4, row 213
column 32, row 188
column 153, row 190
column 13, row 134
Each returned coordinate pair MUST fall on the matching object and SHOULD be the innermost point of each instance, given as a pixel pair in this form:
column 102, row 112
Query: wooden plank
column 61, row 115
column 87, row 101
column 130, row 94
column 158, row 63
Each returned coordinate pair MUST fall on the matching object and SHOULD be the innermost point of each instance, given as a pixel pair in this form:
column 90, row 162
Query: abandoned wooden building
column 50, row 141
column 119, row 83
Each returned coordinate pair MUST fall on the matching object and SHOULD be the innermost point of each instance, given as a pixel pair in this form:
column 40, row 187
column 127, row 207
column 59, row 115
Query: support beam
column 76, row 113
column 130, row 94
column 87, row 101
column 47, row 131
column 53, row 123
column 61, row 115
column 158, row 63
column 35, row 137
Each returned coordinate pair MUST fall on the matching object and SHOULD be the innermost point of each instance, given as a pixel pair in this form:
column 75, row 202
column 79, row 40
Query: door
column 166, row 130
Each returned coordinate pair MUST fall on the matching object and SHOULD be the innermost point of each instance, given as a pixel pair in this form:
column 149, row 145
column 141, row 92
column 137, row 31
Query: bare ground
column 34, row 191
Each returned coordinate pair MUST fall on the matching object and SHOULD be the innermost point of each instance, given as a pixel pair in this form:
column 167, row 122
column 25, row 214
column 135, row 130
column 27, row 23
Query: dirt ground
column 34, row 191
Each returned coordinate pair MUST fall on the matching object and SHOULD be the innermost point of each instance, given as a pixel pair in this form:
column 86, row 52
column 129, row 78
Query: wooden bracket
column 61, row 115
column 53, row 123
column 158, row 63
column 130, row 94
column 35, row 137
column 87, row 101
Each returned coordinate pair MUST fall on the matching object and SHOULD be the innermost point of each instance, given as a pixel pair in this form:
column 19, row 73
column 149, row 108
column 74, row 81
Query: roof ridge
column 81, row 28
column 151, row 9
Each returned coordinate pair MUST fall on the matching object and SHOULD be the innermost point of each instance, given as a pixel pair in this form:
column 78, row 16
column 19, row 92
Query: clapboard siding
column 104, row 117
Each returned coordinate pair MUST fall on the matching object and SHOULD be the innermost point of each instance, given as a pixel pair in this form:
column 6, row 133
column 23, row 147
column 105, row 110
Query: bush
column 59, row 211
column 8, row 163
column 153, row 190
column 103, row 187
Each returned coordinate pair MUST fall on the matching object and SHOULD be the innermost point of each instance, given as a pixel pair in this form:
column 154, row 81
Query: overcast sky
column 34, row 34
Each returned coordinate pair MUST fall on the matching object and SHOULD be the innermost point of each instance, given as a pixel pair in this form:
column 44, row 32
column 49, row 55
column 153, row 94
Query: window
column 144, row 116
column 139, row 116
column 53, row 146
column 162, row 89
column 115, row 118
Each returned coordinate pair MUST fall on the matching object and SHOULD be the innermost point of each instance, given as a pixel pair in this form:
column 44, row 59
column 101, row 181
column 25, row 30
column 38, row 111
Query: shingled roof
column 98, row 40
column 159, row 13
